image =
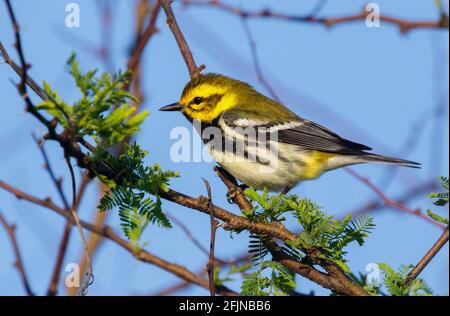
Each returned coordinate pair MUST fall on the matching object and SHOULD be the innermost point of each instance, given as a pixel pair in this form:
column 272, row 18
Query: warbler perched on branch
column 261, row 142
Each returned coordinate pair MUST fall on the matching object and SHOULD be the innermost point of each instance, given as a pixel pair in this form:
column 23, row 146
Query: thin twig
column 410, row 194
column 392, row 203
column 181, row 41
column 62, row 250
column 95, row 240
column 56, row 181
column 11, row 231
column 404, row 25
column 22, row 86
column 89, row 275
column 18, row 70
column 437, row 246
column 210, row 267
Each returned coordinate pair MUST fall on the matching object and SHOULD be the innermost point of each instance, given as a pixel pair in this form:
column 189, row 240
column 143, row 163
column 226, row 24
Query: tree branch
column 10, row 230
column 403, row 24
column 210, row 267
column 181, row 41
column 392, row 203
column 336, row 280
column 414, row 273
column 108, row 233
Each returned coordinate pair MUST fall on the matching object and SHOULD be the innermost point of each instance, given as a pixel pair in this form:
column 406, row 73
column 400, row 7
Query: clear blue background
column 372, row 85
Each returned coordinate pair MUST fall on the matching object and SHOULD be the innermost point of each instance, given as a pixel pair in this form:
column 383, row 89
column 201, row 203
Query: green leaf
column 137, row 119
column 438, row 218
column 397, row 284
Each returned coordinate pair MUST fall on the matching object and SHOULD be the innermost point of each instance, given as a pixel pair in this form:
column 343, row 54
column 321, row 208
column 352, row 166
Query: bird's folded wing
column 297, row 131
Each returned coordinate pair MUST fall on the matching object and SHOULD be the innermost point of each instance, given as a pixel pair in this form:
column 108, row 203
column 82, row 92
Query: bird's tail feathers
column 390, row 160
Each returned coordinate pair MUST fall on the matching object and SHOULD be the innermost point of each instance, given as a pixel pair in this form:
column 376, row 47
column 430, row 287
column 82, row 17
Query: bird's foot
column 232, row 193
column 284, row 192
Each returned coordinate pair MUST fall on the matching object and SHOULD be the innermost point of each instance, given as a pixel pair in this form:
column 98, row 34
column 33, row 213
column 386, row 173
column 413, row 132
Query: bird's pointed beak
column 172, row 107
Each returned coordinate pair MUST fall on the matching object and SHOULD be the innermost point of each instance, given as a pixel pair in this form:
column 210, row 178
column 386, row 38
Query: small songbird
column 303, row 150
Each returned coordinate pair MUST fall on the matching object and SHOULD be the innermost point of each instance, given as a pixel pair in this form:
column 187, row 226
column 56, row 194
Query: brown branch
column 11, row 231
column 22, row 86
column 181, row 41
column 210, row 267
column 437, row 246
column 335, row 280
column 403, row 24
column 108, row 233
column 392, row 203
column 18, row 70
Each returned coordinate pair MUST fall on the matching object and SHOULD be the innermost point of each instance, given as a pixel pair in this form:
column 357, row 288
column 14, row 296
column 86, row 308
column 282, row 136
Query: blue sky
column 371, row 85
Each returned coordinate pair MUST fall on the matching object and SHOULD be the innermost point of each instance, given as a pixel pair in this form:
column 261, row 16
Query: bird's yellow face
column 206, row 97
column 206, row 102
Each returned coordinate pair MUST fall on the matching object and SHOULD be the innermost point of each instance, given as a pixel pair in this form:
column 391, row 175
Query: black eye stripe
column 214, row 98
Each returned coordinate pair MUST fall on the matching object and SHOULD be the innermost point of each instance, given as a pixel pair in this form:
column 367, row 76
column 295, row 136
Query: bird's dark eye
column 197, row 100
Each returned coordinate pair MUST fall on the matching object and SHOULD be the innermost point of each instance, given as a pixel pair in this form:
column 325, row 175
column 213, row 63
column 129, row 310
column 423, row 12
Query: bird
column 261, row 142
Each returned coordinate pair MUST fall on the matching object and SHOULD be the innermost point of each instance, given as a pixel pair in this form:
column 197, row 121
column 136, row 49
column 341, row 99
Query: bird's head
column 207, row 96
